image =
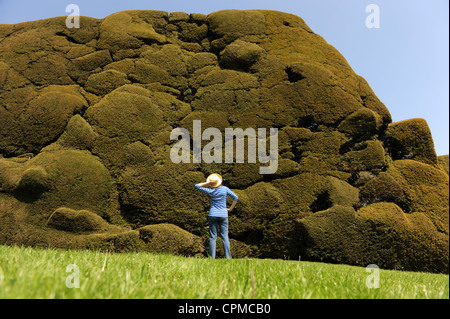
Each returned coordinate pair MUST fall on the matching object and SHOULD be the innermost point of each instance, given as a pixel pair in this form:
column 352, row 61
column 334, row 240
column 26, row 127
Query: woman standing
column 218, row 212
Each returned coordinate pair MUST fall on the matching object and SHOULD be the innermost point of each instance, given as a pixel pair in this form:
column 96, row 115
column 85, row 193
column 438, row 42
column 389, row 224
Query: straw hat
column 215, row 177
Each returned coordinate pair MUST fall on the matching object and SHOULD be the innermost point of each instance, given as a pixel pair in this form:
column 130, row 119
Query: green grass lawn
column 47, row 273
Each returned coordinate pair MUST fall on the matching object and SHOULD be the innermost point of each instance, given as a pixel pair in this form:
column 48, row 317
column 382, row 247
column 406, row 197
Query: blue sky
column 405, row 61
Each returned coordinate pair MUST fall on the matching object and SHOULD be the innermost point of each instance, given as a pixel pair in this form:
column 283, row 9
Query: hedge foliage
column 85, row 142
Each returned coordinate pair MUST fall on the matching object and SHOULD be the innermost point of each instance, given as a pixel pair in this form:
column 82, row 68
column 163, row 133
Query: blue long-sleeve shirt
column 218, row 199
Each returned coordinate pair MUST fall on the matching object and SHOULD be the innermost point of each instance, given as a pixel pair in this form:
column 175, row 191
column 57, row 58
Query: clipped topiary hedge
column 168, row 238
column 415, row 242
column 76, row 221
column 380, row 234
column 411, row 139
column 85, row 143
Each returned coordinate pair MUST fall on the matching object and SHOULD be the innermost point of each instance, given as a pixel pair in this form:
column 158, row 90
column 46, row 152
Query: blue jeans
column 222, row 224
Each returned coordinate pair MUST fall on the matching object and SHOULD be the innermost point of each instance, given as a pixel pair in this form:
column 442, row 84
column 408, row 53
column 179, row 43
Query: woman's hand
column 232, row 206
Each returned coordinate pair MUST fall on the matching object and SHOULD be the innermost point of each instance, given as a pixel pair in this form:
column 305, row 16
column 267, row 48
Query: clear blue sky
column 405, row 61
